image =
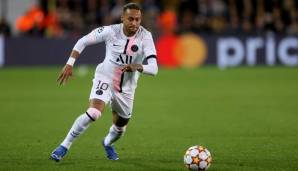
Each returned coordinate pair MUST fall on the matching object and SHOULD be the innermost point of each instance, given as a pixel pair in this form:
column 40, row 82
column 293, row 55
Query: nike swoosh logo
column 115, row 45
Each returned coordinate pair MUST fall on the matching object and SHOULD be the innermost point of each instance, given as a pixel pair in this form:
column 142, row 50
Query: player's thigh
column 118, row 120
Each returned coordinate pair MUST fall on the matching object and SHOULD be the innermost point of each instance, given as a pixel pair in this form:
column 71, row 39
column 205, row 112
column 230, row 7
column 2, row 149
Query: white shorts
column 120, row 102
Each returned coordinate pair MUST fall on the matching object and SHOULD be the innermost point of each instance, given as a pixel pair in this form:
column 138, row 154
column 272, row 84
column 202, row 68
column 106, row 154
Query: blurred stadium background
column 228, row 80
column 188, row 33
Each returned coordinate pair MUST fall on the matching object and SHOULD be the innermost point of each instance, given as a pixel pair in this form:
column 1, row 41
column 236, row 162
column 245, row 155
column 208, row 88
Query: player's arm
column 96, row 36
column 150, row 68
column 66, row 72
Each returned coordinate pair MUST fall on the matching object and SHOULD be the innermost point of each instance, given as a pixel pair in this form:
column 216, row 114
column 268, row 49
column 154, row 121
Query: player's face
column 131, row 19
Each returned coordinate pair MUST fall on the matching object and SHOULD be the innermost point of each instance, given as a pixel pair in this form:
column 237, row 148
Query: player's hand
column 65, row 74
column 132, row 68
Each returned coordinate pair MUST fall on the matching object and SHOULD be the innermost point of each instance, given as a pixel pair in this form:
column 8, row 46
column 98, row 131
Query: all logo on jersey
column 124, row 59
column 134, row 48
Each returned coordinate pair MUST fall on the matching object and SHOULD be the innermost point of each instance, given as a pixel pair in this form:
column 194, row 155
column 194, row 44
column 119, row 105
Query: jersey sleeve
column 151, row 68
column 98, row 35
column 148, row 45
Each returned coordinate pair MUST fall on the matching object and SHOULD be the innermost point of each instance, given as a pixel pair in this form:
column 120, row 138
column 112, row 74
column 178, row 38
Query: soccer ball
column 197, row 158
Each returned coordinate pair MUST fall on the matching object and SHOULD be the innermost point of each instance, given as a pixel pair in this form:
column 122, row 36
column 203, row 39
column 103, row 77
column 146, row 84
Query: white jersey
column 120, row 50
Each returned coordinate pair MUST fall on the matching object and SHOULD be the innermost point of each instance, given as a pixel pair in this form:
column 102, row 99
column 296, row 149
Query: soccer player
column 127, row 45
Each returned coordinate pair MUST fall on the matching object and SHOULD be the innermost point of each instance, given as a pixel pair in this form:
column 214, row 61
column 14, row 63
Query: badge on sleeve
column 100, row 29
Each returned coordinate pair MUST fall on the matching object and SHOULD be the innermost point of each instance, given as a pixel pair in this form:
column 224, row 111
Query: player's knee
column 93, row 113
column 118, row 129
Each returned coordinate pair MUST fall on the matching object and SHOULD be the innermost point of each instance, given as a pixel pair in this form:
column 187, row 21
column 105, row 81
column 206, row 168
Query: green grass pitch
column 247, row 117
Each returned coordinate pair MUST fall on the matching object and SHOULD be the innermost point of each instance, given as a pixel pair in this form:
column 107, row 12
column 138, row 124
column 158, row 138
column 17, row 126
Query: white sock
column 114, row 134
column 78, row 127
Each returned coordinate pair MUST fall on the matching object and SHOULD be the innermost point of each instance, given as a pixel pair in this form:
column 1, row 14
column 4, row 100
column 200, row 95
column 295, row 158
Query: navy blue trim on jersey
column 151, row 56
column 130, row 59
column 90, row 116
column 125, row 48
column 121, row 82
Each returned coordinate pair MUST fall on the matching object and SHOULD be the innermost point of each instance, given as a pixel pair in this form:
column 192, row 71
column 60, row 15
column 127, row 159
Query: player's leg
column 99, row 96
column 94, row 111
column 117, row 129
column 115, row 132
column 121, row 109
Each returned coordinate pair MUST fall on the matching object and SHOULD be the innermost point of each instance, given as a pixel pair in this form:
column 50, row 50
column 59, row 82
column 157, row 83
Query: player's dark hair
column 132, row 5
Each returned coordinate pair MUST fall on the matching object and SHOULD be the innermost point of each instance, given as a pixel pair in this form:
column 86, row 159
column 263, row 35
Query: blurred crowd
column 73, row 18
